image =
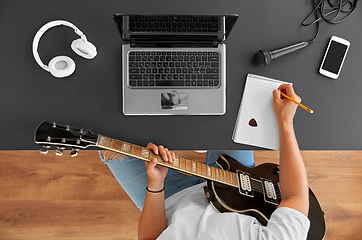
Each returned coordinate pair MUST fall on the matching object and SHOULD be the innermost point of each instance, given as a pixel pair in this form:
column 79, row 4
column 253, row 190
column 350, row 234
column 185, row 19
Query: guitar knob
column 44, row 150
column 276, row 170
column 74, row 153
column 59, row 152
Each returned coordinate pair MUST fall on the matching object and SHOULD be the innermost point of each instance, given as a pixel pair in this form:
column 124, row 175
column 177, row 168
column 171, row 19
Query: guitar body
column 226, row 198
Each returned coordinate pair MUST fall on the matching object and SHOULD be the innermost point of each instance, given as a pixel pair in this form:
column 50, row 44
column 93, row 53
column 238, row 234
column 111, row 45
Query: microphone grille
column 262, row 58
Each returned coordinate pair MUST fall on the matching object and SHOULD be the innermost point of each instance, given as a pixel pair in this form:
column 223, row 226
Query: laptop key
column 212, row 70
column 170, row 83
column 132, row 83
column 135, row 76
column 211, row 76
column 213, row 58
column 134, row 70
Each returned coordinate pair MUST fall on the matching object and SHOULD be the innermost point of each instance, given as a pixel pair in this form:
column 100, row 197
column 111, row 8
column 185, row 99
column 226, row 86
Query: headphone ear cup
column 61, row 66
column 84, row 48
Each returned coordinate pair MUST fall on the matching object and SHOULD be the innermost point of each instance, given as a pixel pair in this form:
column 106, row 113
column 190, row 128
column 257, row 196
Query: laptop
column 174, row 64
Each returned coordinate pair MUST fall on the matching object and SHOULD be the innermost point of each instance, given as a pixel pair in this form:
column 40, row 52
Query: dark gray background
column 91, row 98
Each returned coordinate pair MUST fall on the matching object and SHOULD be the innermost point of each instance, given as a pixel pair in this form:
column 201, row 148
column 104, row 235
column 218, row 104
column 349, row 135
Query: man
column 186, row 214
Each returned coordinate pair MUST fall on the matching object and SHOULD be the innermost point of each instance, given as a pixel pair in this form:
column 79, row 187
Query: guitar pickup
column 245, row 187
column 269, row 191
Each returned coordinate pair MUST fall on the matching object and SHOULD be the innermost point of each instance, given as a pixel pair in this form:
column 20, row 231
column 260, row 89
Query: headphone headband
column 46, row 27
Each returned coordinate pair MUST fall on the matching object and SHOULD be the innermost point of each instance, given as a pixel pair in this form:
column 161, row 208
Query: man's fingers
column 153, row 147
column 166, row 154
column 151, row 164
column 276, row 94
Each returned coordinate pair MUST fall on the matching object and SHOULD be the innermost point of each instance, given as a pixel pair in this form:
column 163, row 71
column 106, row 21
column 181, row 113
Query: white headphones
column 63, row 66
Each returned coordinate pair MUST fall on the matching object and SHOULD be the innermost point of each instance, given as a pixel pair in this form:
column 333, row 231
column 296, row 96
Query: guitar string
column 256, row 186
column 260, row 189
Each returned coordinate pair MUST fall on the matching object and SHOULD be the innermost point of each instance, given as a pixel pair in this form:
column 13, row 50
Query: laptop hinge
column 147, row 42
column 215, row 43
column 133, row 42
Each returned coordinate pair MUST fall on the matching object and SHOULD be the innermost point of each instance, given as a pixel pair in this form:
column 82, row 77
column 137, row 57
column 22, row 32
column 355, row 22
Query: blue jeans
column 131, row 174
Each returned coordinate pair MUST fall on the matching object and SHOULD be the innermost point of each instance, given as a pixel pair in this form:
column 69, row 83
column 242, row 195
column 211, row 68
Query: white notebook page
column 256, row 104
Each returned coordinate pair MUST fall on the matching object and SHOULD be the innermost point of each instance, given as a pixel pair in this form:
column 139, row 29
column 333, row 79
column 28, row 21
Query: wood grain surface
column 52, row 197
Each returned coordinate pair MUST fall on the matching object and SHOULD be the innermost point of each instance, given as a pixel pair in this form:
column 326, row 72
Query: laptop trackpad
column 174, row 101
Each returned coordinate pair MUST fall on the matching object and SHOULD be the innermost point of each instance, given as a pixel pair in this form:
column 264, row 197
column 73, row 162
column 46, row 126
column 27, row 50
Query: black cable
column 330, row 13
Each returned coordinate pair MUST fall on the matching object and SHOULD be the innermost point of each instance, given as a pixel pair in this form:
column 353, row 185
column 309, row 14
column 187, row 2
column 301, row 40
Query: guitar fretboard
column 180, row 164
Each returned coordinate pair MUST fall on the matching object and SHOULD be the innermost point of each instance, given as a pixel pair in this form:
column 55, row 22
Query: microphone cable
column 331, row 13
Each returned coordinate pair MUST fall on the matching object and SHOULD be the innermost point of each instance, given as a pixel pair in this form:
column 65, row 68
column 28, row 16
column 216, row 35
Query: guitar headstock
column 51, row 134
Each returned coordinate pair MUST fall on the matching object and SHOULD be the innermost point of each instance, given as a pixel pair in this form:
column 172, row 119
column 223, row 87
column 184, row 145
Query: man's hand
column 157, row 174
column 285, row 109
column 153, row 218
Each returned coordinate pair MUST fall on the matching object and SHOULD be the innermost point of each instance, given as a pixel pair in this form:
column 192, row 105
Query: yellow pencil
column 299, row 104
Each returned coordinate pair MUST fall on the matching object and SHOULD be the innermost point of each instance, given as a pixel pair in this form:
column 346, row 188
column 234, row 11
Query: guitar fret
column 217, row 174
column 188, row 165
column 233, row 176
column 126, row 148
column 199, row 169
column 162, row 162
column 182, row 164
column 176, row 162
column 104, row 141
column 152, row 155
column 145, row 153
column 204, row 170
column 194, row 167
column 136, row 150
column 208, row 168
column 116, row 145
column 222, row 175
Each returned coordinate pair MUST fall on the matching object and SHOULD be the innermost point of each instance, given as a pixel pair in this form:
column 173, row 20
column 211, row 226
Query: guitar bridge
column 245, row 187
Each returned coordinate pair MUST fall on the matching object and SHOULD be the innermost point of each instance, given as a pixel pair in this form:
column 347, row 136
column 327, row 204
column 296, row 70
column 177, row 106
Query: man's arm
column 153, row 218
column 293, row 177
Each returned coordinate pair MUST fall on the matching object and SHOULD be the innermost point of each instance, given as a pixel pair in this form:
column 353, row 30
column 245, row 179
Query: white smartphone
column 334, row 57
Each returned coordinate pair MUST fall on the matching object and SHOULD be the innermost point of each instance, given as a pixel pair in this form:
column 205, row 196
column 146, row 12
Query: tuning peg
column 74, row 152
column 59, row 151
column 44, row 150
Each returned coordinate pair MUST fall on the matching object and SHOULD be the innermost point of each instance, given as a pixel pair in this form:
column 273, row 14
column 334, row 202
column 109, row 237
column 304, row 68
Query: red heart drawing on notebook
column 253, row 123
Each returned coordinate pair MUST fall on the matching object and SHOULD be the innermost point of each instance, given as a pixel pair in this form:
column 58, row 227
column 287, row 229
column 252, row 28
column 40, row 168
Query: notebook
column 256, row 123
column 174, row 64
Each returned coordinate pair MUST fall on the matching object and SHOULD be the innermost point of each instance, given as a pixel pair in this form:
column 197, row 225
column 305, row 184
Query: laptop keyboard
column 177, row 69
column 169, row 23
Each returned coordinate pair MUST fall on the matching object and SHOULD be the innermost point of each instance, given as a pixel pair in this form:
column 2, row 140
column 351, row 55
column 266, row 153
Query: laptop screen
column 174, row 27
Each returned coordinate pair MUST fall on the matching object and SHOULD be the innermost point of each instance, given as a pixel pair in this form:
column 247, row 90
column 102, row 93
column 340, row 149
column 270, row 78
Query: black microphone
column 264, row 57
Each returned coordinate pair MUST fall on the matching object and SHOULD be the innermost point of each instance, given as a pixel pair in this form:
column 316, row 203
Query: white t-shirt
column 190, row 216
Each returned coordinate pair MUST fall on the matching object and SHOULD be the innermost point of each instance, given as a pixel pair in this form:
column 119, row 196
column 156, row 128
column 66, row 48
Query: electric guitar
column 233, row 188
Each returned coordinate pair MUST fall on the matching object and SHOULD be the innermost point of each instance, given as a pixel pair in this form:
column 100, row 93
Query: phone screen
column 334, row 57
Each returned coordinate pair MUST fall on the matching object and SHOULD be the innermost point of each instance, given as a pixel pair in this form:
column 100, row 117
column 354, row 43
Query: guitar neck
column 179, row 164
